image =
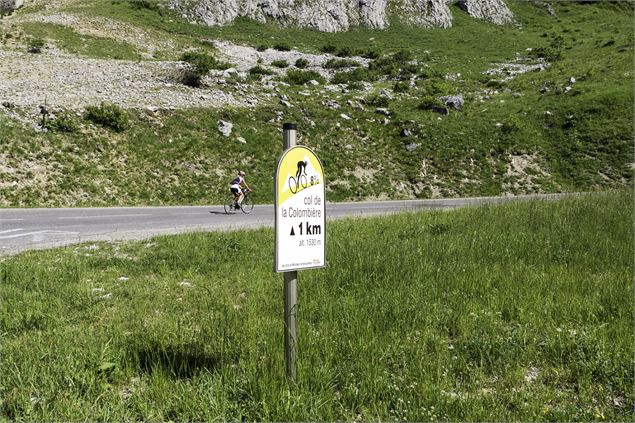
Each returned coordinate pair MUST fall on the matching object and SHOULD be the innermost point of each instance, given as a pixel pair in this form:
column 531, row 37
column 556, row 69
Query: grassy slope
column 584, row 144
column 520, row 312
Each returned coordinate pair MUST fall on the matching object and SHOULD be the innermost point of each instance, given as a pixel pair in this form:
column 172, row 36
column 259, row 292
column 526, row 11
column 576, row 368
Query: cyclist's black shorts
column 235, row 191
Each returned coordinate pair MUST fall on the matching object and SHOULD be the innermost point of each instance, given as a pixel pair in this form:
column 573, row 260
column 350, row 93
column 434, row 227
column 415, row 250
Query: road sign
column 300, row 211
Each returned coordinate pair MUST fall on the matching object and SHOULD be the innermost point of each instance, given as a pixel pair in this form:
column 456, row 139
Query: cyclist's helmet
column 241, row 173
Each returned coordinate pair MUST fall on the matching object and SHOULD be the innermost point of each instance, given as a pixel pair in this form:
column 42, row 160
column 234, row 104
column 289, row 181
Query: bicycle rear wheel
column 247, row 204
column 293, row 185
column 229, row 205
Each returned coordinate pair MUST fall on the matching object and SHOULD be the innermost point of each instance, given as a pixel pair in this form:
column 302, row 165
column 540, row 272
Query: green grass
column 85, row 45
column 521, row 312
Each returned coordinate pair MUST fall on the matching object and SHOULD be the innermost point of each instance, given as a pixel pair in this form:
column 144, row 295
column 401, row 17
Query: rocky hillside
column 95, row 110
column 341, row 15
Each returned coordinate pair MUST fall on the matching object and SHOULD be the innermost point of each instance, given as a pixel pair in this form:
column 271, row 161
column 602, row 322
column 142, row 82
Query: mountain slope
column 545, row 105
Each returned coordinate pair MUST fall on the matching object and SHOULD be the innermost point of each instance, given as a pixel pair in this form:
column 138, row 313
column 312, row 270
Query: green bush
column 200, row 65
column 377, row 100
column 280, row 63
column 108, row 115
column 371, row 54
column 261, row 48
column 402, row 56
column 328, row 49
column 301, row 77
column 259, row 70
column 432, row 103
column 301, row 63
column 356, row 75
column 63, row 123
column 401, row 87
column 512, row 125
column 35, row 45
column 340, row 63
column 384, row 66
column 344, row 52
column 282, row 47
column 145, row 4
column 437, row 88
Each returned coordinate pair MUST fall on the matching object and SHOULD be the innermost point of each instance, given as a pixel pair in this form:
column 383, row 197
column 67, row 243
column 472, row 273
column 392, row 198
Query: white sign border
column 275, row 211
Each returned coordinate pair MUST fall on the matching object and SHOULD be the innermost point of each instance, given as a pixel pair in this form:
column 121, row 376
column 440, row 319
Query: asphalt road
column 23, row 229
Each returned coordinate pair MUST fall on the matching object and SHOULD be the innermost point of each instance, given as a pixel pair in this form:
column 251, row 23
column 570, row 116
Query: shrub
column 401, row 87
column 35, row 45
column 437, row 88
column 301, row 63
column 356, row 75
column 371, row 54
column 432, row 103
column 301, row 77
column 345, row 52
column 328, row 49
column 512, row 125
column 282, row 47
column 280, row 63
column 495, row 83
column 62, row 123
column 261, row 48
column 108, row 115
column 377, row 100
column 340, row 63
column 144, row 4
column 402, row 56
column 200, row 65
column 259, row 70
column 384, row 66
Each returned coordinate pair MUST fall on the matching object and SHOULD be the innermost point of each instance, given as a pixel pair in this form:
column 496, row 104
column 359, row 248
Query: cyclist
column 234, row 187
column 301, row 167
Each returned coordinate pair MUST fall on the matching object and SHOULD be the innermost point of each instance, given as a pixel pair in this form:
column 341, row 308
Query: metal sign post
column 290, row 285
column 300, row 208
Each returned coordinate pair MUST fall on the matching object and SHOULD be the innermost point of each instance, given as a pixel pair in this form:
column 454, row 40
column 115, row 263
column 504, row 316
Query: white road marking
column 106, row 215
column 10, row 220
column 38, row 233
column 11, row 230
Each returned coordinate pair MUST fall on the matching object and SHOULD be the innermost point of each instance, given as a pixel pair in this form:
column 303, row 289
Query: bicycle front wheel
column 247, row 205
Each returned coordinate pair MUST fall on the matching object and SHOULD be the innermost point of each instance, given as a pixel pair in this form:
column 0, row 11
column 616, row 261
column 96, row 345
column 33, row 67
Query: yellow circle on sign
column 299, row 169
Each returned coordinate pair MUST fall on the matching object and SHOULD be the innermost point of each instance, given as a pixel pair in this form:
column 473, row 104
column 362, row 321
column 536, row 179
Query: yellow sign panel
column 300, row 211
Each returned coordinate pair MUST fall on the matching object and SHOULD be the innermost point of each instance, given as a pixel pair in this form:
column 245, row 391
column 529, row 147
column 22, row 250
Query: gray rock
column 10, row 5
column 412, row 146
column 339, row 15
column 225, row 128
column 383, row 111
column 405, row 132
column 331, row 104
column 494, row 11
column 455, row 101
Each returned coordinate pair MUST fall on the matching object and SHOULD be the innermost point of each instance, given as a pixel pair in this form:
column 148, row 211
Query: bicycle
column 294, row 184
column 247, row 205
